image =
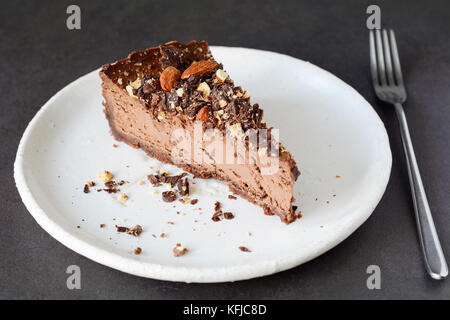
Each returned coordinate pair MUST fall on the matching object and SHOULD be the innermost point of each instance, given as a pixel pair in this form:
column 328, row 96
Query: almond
column 168, row 77
column 200, row 68
column 203, row 114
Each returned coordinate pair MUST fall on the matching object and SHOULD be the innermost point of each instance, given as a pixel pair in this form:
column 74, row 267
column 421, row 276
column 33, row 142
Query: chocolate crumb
column 115, row 145
column 102, row 225
column 162, row 235
column 230, row 196
column 228, row 215
column 244, row 249
column 194, row 201
column 217, row 216
column 169, row 196
column 135, row 231
column 86, row 189
column 217, row 206
column 137, row 251
column 179, row 250
column 294, row 208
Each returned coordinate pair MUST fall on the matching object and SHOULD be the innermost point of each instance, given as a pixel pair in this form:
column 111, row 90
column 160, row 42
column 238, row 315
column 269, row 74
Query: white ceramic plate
column 339, row 142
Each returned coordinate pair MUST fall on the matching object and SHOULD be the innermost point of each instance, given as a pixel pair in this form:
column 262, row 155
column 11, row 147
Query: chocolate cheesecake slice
column 180, row 106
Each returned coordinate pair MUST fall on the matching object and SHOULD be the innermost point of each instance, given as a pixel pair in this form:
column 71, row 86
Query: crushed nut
column 204, row 89
column 221, row 75
column 105, row 176
column 122, row 198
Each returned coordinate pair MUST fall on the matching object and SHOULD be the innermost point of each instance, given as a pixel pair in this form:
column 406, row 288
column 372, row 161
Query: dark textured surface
column 38, row 56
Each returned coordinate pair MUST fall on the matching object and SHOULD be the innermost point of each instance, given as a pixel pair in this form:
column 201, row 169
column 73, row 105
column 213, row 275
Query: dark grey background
column 39, row 56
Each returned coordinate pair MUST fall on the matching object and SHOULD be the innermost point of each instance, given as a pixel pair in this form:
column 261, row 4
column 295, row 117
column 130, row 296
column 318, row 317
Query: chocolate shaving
column 183, row 187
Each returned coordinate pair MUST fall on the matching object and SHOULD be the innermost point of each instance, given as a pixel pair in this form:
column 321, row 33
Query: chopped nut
column 105, row 176
column 180, row 92
column 130, row 91
column 204, row 89
column 221, row 75
column 222, row 103
column 136, row 83
column 122, row 198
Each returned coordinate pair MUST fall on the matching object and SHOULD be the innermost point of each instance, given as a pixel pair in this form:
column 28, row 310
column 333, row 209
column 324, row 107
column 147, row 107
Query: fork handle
column 434, row 257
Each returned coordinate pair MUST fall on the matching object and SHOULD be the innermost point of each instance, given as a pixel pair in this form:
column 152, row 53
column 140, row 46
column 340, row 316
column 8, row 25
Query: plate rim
column 192, row 274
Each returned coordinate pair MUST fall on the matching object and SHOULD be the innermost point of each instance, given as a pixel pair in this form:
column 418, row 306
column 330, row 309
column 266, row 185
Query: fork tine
column 373, row 59
column 380, row 57
column 387, row 56
column 396, row 59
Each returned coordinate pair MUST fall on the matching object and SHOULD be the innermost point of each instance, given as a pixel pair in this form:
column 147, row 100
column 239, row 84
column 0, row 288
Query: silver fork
column 389, row 87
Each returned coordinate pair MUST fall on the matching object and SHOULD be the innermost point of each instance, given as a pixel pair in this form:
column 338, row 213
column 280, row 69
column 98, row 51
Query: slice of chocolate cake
column 179, row 105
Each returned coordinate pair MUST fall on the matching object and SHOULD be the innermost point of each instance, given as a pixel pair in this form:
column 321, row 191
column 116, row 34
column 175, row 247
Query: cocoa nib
column 169, row 196
column 135, row 231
